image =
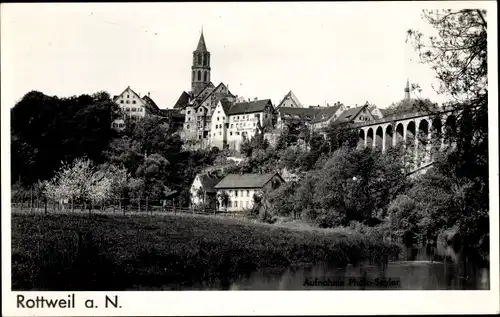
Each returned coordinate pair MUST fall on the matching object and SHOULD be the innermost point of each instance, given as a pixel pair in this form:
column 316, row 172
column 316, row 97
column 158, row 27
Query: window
column 121, row 101
column 133, row 101
column 189, row 111
column 230, row 204
column 127, row 96
column 230, row 133
column 187, row 126
column 238, row 117
column 235, row 203
column 127, row 109
column 199, row 74
column 199, row 62
column 220, row 133
column 217, row 118
column 205, row 76
column 237, row 133
column 128, row 101
column 223, row 118
column 231, row 125
column 236, row 193
column 214, row 134
column 248, row 193
column 139, row 109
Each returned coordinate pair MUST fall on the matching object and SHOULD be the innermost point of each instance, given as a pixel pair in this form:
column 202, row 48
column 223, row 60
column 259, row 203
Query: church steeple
column 200, row 71
column 407, row 90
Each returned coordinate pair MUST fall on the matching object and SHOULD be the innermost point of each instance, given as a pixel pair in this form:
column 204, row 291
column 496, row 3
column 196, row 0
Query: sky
column 350, row 52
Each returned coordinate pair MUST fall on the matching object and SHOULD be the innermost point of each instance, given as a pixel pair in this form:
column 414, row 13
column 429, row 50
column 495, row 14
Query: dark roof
column 324, row 114
column 182, row 101
column 201, row 44
column 209, row 182
column 249, row 107
column 349, row 114
column 226, row 105
column 245, row 180
column 151, row 105
column 385, row 112
column 303, row 113
column 173, row 113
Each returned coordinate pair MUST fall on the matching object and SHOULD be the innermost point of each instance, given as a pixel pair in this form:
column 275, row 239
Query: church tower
column 200, row 71
column 407, row 90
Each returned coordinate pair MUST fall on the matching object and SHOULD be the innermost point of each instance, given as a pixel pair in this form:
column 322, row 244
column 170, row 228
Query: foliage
column 458, row 55
column 47, row 130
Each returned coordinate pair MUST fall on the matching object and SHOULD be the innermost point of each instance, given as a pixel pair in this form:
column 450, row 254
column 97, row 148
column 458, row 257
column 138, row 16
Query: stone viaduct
column 421, row 133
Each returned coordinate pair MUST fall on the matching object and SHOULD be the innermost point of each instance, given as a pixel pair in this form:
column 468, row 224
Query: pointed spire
column 201, row 43
column 407, row 90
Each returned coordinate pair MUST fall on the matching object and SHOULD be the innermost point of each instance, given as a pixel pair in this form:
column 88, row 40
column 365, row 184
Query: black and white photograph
column 329, row 147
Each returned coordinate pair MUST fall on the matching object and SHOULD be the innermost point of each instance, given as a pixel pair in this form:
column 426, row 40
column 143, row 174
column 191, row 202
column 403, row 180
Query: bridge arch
column 361, row 138
column 379, row 138
column 369, row 138
column 389, row 133
column 423, row 142
column 400, row 133
column 411, row 131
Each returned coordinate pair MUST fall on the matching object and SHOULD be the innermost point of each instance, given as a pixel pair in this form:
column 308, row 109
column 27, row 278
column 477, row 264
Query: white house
column 241, row 188
column 203, row 191
column 133, row 107
column 246, row 119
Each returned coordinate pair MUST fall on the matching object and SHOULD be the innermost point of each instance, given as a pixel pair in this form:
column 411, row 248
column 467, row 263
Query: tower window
column 199, row 59
column 192, row 78
column 199, row 75
column 205, row 76
column 205, row 60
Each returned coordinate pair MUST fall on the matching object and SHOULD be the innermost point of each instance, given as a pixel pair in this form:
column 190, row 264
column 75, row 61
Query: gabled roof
column 128, row 88
column 349, row 114
column 246, row 180
column 210, row 85
column 208, row 182
column 183, row 100
column 292, row 96
column 325, row 114
column 249, row 107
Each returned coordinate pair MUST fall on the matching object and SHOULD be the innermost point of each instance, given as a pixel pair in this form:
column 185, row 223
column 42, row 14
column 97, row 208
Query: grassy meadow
column 111, row 252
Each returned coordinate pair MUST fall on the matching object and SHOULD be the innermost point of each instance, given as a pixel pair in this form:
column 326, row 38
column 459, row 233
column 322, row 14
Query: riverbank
column 106, row 252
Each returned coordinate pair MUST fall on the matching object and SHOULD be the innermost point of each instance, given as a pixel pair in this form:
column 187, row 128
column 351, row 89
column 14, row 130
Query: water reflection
column 419, row 272
column 411, row 275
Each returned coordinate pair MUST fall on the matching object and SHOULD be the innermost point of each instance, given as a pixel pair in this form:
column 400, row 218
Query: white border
column 284, row 302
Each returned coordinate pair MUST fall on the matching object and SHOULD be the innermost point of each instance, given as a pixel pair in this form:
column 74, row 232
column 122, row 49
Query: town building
column 133, row 107
column 356, row 115
column 239, row 190
column 203, row 190
column 233, row 123
column 198, row 105
column 325, row 116
column 289, row 101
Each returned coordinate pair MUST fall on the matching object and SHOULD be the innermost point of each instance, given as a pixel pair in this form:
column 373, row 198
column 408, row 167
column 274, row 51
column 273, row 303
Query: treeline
column 53, row 137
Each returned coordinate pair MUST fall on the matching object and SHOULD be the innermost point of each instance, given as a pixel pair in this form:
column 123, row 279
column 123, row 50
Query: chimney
column 149, row 94
column 248, row 99
column 255, row 99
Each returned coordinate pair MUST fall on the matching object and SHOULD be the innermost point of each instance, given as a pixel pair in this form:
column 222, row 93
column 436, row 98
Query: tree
column 47, row 130
column 458, row 55
column 223, row 198
column 340, row 135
